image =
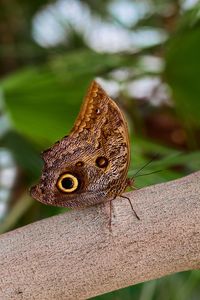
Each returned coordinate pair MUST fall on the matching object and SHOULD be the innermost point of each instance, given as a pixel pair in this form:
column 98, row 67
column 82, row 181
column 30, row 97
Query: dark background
column 146, row 54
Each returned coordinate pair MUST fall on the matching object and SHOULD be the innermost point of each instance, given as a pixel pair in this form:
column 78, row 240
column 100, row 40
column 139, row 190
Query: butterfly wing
column 97, row 152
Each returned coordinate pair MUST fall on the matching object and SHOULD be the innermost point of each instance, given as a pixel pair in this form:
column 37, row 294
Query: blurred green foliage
column 54, row 93
column 43, row 90
column 183, row 73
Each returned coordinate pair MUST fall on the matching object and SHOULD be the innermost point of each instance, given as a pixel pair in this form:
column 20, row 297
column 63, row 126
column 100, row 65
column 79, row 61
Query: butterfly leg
column 108, row 207
column 131, row 206
column 111, row 214
column 110, row 217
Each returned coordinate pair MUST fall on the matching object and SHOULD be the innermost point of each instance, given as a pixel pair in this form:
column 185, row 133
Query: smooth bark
column 75, row 256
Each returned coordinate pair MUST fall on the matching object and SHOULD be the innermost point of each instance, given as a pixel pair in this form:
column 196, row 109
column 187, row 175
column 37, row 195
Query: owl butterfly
column 90, row 165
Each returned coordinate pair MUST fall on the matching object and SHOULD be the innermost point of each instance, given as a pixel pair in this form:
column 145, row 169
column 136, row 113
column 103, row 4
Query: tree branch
column 75, row 256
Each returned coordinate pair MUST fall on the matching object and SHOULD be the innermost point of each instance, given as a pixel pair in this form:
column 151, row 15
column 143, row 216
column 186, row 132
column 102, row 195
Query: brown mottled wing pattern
column 102, row 124
column 100, row 130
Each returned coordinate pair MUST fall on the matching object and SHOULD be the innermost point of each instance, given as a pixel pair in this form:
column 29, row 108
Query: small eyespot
column 67, row 183
column 80, row 164
column 98, row 111
column 102, row 162
column 99, row 145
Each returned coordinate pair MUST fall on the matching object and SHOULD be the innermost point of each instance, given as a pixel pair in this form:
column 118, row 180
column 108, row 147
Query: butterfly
column 90, row 165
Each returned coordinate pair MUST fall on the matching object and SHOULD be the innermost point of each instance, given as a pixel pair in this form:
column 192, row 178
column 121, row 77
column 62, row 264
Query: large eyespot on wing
column 68, row 183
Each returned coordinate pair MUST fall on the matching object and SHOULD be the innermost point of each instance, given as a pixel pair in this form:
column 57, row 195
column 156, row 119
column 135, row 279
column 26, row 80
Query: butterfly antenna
column 149, row 173
column 148, row 163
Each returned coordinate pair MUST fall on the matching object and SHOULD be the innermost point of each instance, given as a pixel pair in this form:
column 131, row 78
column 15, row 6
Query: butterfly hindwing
column 90, row 165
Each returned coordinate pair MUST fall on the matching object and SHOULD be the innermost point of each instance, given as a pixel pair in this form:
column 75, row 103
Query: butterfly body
column 90, row 165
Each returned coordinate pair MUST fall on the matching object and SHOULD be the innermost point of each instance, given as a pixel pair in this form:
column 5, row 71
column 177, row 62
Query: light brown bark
column 75, row 256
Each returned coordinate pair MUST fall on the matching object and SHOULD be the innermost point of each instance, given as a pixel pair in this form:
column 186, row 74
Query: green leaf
column 172, row 164
column 183, row 73
column 43, row 102
column 24, row 153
